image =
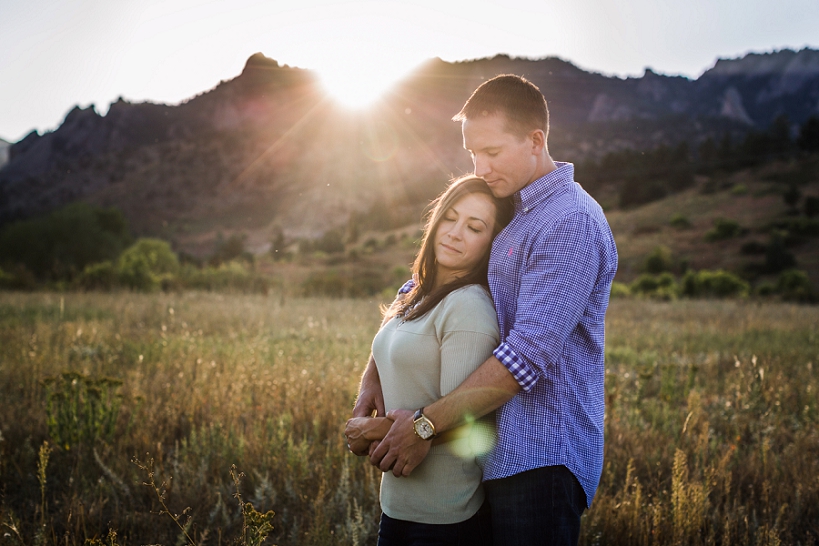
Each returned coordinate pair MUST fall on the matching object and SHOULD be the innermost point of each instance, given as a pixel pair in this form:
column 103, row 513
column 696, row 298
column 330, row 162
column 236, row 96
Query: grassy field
column 711, row 432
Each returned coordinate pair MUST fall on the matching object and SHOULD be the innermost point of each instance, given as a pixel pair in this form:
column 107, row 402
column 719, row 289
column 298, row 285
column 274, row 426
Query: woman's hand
column 362, row 431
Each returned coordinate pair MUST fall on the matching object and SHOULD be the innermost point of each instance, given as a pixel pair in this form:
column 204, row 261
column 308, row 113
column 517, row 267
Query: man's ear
column 538, row 140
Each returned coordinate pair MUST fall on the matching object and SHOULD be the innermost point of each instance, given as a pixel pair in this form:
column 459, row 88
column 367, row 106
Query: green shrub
column 661, row 286
column 679, row 221
column 739, row 189
column 99, row 276
column 231, row 249
column 753, row 247
column 6, row 279
column 715, row 284
column 619, row 290
column 59, row 246
column 724, row 228
column 345, row 283
column 659, row 261
column 19, row 278
column 777, row 256
column 811, row 206
column 765, row 289
column 230, row 276
column 794, row 285
column 144, row 265
column 801, row 228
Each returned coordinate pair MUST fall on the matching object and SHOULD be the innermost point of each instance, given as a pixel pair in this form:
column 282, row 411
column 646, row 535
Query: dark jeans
column 476, row 531
column 541, row 506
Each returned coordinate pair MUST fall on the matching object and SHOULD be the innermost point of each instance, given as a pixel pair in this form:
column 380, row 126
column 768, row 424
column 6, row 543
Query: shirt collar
column 539, row 190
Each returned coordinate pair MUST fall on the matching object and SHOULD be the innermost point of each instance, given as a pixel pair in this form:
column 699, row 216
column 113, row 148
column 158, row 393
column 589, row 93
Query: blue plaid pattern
column 550, row 274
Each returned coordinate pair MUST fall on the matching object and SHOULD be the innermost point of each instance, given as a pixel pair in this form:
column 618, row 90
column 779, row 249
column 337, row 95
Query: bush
column 800, row 228
column 809, row 135
column 619, row 290
column 19, row 278
column 658, row 261
column 231, row 249
column 679, row 221
column 724, row 228
column 7, row 280
column 794, row 285
column 344, row 283
column 811, row 206
column 146, row 264
column 661, row 286
column 777, row 257
column 716, row 284
column 99, row 276
column 753, row 247
column 765, row 289
column 59, row 246
column 231, row 276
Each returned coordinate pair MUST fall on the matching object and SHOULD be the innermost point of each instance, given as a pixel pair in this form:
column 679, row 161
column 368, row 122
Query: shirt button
column 526, row 209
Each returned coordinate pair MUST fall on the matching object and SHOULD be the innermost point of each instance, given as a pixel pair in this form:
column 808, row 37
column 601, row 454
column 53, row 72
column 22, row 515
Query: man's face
column 506, row 161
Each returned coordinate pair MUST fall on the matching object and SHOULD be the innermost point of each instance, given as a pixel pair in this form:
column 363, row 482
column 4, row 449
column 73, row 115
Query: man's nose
column 481, row 167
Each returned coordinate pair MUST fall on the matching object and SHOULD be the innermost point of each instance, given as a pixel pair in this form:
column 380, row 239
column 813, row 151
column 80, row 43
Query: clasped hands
column 390, row 441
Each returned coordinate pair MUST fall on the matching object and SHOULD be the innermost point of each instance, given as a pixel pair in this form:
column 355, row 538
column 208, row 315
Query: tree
column 146, row 264
column 277, row 243
column 61, row 244
column 791, row 196
column 808, row 138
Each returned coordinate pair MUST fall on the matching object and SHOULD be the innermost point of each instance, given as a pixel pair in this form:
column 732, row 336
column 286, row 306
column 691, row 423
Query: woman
column 432, row 338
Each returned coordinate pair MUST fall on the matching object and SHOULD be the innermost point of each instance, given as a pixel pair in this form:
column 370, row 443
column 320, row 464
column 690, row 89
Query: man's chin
column 498, row 190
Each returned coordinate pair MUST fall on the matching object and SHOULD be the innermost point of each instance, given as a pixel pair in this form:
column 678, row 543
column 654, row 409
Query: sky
column 55, row 54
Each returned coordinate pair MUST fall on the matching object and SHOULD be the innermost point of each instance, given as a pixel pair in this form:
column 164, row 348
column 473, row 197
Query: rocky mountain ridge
column 268, row 150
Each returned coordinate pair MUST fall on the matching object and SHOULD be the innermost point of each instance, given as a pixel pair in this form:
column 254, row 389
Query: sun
column 358, row 85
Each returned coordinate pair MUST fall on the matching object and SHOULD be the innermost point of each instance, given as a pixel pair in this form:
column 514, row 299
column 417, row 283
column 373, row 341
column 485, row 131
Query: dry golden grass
column 711, row 425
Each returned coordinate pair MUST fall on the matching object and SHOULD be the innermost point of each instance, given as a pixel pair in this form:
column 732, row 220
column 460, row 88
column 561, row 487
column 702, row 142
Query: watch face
column 424, row 429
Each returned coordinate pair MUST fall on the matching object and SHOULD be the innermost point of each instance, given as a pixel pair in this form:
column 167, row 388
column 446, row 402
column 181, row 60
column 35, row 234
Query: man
column 550, row 273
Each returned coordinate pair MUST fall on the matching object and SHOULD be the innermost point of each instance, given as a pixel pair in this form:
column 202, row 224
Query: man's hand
column 370, row 398
column 401, row 449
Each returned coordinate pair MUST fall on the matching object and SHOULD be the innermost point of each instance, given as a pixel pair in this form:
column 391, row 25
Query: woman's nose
column 456, row 232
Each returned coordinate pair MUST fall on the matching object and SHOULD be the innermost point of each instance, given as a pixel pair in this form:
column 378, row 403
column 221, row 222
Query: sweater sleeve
column 468, row 329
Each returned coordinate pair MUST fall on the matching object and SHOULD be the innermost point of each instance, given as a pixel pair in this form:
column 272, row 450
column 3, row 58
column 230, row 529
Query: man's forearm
column 486, row 389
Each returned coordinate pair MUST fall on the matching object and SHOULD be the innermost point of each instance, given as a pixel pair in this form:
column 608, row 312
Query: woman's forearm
column 361, row 431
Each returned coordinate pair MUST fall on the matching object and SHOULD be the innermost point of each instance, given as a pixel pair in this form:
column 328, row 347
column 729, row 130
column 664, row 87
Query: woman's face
column 463, row 236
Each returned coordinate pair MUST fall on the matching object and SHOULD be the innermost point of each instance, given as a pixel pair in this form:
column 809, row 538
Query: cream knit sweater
column 418, row 363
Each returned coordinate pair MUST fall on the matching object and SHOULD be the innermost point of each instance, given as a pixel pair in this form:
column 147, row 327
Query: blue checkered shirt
column 550, row 274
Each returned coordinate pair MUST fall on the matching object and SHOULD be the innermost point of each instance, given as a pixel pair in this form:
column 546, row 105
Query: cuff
column 405, row 289
column 520, row 370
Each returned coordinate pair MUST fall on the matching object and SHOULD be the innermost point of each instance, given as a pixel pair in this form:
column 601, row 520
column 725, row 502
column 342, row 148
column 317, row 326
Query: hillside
column 268, row 151
column 4, row 152
column 753, row 198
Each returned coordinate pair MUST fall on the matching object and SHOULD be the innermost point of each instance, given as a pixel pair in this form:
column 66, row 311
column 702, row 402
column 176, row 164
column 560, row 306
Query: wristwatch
column 423, row 426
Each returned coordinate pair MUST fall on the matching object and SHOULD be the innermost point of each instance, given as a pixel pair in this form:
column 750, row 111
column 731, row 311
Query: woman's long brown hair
column 422, row 298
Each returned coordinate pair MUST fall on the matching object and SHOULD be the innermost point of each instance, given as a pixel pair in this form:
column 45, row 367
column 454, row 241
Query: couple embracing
column 505, row 318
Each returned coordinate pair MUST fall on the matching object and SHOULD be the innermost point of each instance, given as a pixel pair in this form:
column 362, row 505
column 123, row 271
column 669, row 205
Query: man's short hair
column 514, row 96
